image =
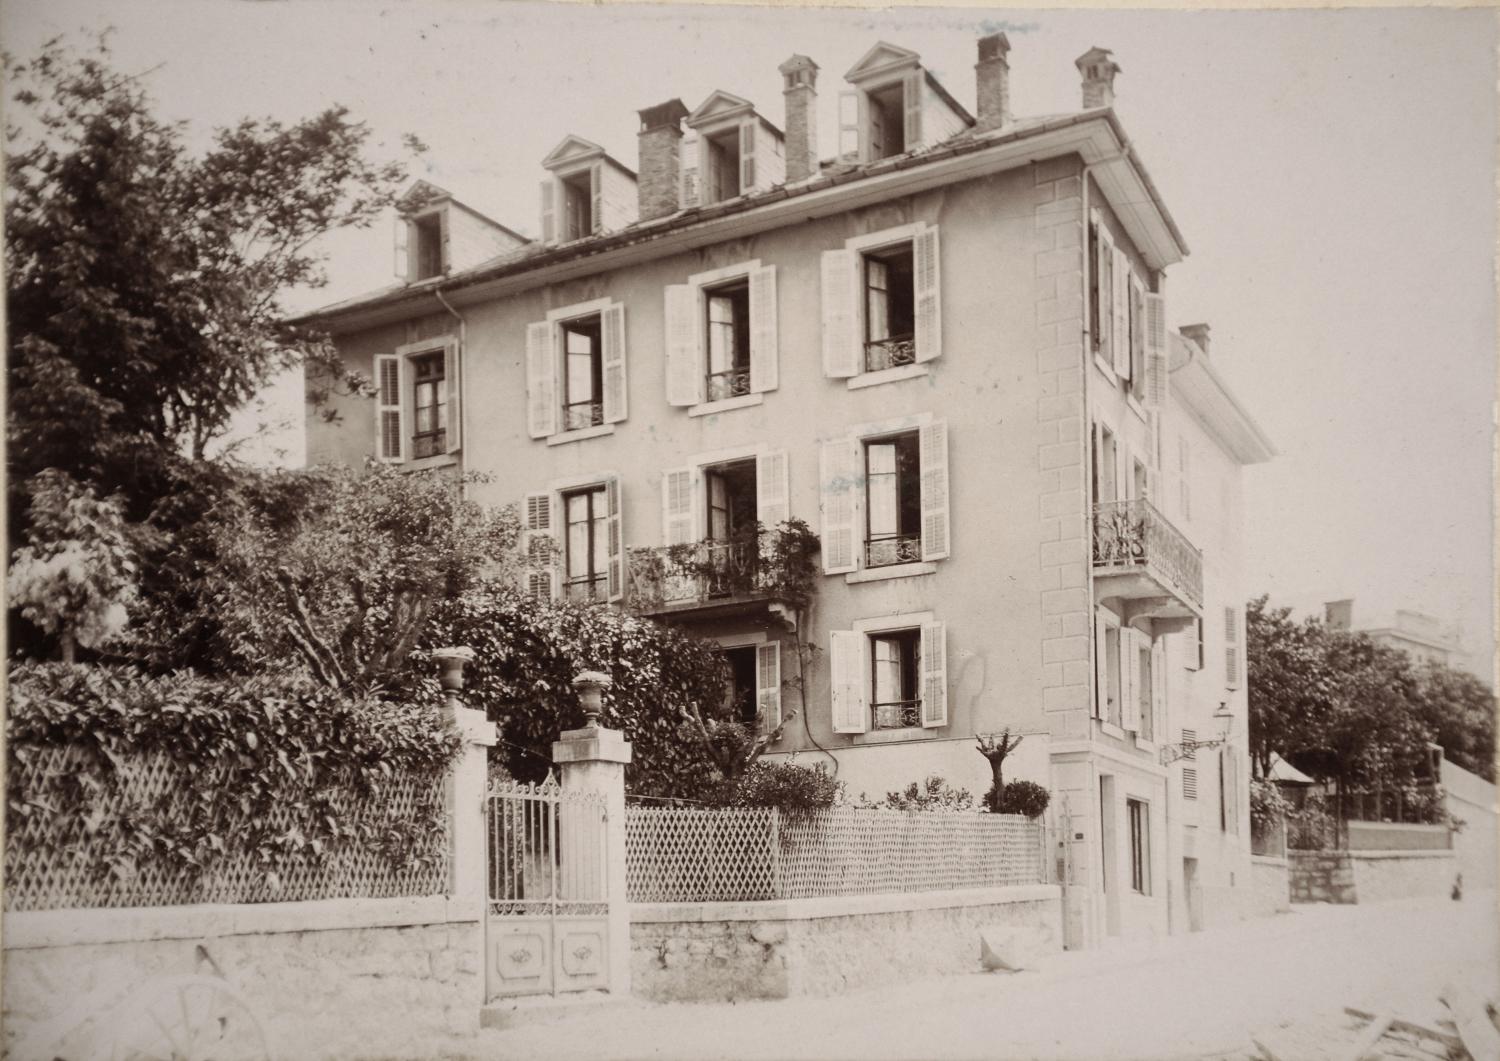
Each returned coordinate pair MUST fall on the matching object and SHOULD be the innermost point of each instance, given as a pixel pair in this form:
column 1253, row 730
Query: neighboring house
column 947, row 351
column 1422, row 637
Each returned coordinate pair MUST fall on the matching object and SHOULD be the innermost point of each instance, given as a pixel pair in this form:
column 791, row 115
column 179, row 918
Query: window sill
column 581, row 434
column 894, row 736
column 881, row 574
column 422, row 464
column 1110, row 729
column 887, row 375
column 744, row 401
column 1106, row 368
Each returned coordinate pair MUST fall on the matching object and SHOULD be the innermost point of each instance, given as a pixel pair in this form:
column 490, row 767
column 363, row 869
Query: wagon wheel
column 187, row 1018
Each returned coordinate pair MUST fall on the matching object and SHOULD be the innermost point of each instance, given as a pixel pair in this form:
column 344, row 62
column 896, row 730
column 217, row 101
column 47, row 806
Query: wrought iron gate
column 546, row 923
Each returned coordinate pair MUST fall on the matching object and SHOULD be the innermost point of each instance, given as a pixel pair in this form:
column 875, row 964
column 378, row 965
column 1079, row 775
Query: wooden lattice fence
column 744, row 854
column 103, row 867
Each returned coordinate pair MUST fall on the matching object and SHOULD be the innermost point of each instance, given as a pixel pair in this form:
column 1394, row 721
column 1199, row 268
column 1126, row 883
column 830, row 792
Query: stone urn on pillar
column 451, row 663
column 591, row 685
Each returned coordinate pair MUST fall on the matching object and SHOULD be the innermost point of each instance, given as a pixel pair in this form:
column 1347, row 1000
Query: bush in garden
column 785, row 785
column 241, row 748
column 933, row 794
column 1021, row 797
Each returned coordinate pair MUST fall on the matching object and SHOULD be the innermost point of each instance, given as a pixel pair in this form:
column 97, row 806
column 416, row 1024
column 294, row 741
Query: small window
column 583, row 374
column 893, row 501
column 586, row 545
column 428, row 233
column 577, row 205
column 722, row 155
column 887, row 117
column 890, row 308
column 740, row 686
column 895, row 684
column 1140, row 846
column 728, row 335
column 429, row 406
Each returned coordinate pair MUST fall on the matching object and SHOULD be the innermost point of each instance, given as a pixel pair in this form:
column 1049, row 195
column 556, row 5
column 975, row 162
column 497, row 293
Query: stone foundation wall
column 1270, row 886
column 715, row 952
column 1321, row 877
column 383, row 979
column 1382, row 875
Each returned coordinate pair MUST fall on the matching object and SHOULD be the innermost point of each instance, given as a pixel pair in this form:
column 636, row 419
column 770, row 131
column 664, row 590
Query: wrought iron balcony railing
column 431, row 444
column 1133, row 535
column 579, row 415
column 884, row 550
column 587, row 588
column 894, row 352
column 701, row 571
column 735, row 383
column 897, row 714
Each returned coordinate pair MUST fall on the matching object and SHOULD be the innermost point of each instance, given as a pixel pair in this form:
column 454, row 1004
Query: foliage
column 76, row 574
column 787, row 786
column 345, row 585
column 527, row 653
column 245, row 747
column 785, row 566
column 996, row 748
column 1021, row 797
column 1459, row 709
column 933, row 794
column 1267, row 805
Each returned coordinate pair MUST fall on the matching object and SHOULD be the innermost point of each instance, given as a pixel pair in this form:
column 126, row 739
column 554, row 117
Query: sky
column 1334, row 173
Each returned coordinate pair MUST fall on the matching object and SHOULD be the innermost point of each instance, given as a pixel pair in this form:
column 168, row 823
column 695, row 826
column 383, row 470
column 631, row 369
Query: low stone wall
column 1382, row 875
column 1270, row 886
column 342, row 978
column 1398, row 836
column 715, row 952
column 1321, row 877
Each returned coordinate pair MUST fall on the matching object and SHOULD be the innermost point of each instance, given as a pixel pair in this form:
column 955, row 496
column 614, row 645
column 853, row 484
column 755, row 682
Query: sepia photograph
column 686, row 531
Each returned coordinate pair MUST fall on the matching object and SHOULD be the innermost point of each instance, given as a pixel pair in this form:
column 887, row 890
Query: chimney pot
column 800, row 89
column 1098, row 71
column 660, row 142
column 1197, row 333
column 992, row 82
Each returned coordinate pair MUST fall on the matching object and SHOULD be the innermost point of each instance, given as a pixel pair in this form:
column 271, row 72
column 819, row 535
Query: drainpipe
column 463, row 406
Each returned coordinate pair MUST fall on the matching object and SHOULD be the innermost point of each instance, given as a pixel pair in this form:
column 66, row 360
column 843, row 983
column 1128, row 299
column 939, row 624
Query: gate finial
column 591, row 685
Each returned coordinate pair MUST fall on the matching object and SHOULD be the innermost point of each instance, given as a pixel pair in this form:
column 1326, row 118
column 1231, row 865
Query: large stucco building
column 946, row 350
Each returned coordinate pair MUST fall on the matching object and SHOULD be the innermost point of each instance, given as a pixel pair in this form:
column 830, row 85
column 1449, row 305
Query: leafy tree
column 1292, row 688
column 1460, row 711
column 143, row 281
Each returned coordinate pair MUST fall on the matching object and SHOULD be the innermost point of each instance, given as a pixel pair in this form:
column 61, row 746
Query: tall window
column 731, row 551
column 1106, row 487
column 895, row 689
column 1140, row 846
column 430, row 406
column 1144, row 690
column 893, row 509
column 429, row 246
column 728, row 311
column 887, row 112
column 577, row 205
column 722, row 181
column 1110, row 685
column 890, row 308
column 583, row 374
column 587, row 545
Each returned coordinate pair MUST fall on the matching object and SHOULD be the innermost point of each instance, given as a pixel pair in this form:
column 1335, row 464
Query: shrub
column 1022, row 797
column 933, row 794
column 242, row 747
column 786, row 785
column 1267, row 804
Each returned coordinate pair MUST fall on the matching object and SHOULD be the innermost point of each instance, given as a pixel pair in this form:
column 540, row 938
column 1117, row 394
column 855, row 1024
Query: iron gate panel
column 546, row 923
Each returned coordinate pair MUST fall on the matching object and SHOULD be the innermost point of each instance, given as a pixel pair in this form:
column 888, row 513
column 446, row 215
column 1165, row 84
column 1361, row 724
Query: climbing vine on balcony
column 779, row 562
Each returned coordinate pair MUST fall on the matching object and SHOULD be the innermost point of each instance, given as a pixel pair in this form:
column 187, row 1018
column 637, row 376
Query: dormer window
column 722, row 178
column 893, row 106
column 731, row 151
column 585, row 192
column 427, row 240
column 887, row 121
column 577, row 205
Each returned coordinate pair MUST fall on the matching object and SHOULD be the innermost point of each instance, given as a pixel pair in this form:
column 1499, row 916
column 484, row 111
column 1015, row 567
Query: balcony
column 1141, row 559
column 895, row 352
column 770, row 572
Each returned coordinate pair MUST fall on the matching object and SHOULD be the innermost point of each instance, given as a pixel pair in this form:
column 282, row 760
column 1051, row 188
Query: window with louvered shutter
column 1189, row 773
column 1231, row 648
column 768, row 683
column 390, row 432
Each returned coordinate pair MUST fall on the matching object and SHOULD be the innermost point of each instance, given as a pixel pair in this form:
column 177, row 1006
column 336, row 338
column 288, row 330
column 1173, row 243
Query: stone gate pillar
column 593, row 759
column 466, row 781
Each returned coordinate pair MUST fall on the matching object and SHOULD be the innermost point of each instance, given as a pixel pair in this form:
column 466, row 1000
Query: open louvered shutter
column 1104, row 272
column 549, row 212
column 1130, row 695
column 1230, row 771
column 839, row 486
column 453, row 379
column 849, row 108
column 764, row 353
column 747, row 155
column 841, row 347
column 772, row 500
column 1156, row 350
column 541, row 383
column 688, row 153
column 846, row 673
column 615, row 539
column 677, row 506
column 1121, row 323
column 934, row 675
column 933, row 455
column 616, row 388
column 1158, row 688
column 685, row 366
column 912, row 111
column 539, row 546
column 1139, row 383
column 1231, row 649
column 1101, row 667
column 401, row 266
column 596, row 197
column 929, row 305
column 768, row 683
column 390, row 437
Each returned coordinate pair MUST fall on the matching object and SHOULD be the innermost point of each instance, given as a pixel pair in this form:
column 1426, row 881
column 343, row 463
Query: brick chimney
column 992, row 82
column 661, row 165
column 1196, row 333
column 800, row 88
column 1098, row 71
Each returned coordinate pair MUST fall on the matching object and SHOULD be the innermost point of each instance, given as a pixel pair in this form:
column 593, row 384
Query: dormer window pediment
column 585, row 193
column 894, row 106
column 731, row 151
